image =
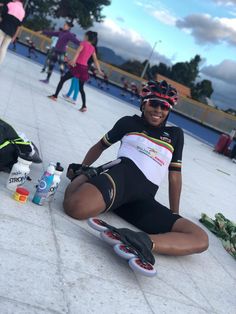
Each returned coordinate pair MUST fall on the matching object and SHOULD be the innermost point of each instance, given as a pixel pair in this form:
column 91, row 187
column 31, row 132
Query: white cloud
column 230, row 23
column 223, row 77
column 165, row 17
column 126, row 42
column 225, row 2
column 224, row 94
column 156, row 9
column 224, row 71
column 207, row 29
column 147, row 4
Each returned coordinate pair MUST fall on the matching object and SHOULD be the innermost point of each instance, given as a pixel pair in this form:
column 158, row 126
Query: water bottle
column 19, row 173
column 56, row 180
column 44, row 185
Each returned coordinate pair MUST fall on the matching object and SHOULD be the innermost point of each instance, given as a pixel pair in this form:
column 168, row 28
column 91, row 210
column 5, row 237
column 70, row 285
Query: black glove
column 75, row 170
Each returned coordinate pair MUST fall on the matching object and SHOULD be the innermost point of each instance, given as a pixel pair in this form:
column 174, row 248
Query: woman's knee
column 202, row 241
column 83, row 203
column 199, row 238
column 74, row 207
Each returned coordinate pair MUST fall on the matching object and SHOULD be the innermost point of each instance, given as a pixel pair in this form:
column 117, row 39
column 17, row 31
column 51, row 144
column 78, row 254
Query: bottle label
column 42, row 185
column 16, row 179
column 53, row 190
column 42, row 190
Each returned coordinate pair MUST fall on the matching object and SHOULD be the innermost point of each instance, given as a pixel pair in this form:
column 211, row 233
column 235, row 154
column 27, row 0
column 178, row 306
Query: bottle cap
column 22, row 191
column 51, row 169
column 59, row 167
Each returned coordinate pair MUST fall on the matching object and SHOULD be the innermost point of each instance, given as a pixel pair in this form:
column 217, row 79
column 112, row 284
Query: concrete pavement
column 50, row 263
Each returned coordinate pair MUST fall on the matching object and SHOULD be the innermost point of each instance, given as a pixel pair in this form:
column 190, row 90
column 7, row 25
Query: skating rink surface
column 51, row 263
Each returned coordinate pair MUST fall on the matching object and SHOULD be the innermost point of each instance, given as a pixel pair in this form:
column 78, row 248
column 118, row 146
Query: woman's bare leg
column 185, row 238
column 83, row 200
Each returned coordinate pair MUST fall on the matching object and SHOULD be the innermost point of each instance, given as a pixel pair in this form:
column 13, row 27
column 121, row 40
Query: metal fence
column 200, row 112
column 206, row 115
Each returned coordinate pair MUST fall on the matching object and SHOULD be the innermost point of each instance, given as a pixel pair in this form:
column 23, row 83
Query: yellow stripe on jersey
column 154, row 140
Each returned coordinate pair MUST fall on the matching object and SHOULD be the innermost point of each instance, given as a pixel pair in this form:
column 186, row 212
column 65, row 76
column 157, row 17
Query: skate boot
column 67, row 98
column 131, row 245
column 46, row 81
column 52, row 97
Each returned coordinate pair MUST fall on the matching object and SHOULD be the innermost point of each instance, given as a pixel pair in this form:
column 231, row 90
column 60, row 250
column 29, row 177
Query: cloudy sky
column 180, row 29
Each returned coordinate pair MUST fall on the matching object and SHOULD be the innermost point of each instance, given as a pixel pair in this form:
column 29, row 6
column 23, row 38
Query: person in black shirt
column 148, row 150
column 31, row 49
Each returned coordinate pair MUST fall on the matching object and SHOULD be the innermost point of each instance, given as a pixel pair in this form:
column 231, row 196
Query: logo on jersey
column 165, row 139
column 152, row 153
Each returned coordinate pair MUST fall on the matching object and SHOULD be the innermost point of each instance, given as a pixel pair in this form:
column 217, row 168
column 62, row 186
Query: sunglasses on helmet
column 154, row 103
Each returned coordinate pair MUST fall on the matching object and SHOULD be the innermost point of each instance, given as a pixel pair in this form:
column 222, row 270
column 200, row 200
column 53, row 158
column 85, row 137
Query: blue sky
column 177, row 44
column 185, row 28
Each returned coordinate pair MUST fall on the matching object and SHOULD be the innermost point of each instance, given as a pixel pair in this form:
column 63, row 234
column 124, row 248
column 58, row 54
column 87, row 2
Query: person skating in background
column 31, row 49
column 14, row 42
column 49, row 53
column 13, row 14
column 125, row 87
column 233, row 151
column 134, row 91
column 93, row 71
column 104, row 83
column 78, row 66
column 74, row 88
column 59, row 52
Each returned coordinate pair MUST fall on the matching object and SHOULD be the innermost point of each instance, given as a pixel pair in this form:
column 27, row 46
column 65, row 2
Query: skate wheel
column 145, row 269
column 97, row 224
column 124, row 251
column 110, row 237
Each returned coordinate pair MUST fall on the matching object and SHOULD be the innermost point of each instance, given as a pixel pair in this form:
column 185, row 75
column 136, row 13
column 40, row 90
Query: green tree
column 83, row 12
column 38, row 14
column 38, row 23
column 133, row 66
column 186, row 72
column 194, row 67
column 202, row 89
column 161, row 69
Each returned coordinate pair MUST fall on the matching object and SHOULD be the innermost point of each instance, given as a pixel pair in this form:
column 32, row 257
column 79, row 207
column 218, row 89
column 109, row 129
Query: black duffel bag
column 12, row 146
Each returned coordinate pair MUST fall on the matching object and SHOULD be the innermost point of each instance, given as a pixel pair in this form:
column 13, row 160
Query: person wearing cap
column 58, row 55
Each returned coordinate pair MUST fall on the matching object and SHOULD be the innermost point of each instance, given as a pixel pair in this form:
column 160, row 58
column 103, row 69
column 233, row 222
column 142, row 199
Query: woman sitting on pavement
column 148, row 150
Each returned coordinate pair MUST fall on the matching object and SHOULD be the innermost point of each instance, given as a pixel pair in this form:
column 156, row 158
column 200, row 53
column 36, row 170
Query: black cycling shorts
column 148, row 215
column 128, row 193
